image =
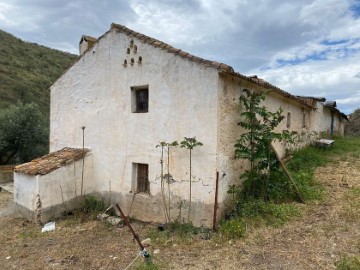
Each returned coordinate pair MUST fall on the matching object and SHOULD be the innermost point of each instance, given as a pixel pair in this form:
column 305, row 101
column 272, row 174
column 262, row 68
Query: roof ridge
column 220, row 66
column 162, row 45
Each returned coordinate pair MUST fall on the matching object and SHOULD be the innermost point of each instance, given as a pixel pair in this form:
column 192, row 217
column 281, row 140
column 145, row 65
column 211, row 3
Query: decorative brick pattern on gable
column 52, row 161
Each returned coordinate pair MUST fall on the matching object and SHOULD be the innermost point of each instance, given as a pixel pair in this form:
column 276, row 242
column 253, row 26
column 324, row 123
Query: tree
column 190, row 143
column 24, row 133
column 255, row 144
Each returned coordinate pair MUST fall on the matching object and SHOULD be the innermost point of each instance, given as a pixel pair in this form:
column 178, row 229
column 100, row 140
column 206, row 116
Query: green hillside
column 27, row 70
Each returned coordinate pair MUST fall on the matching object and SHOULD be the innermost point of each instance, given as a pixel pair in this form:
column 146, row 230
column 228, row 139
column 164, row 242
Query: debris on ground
column 48, row 227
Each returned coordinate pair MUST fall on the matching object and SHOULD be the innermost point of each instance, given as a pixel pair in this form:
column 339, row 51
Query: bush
column 233, row 228
column 93, row 206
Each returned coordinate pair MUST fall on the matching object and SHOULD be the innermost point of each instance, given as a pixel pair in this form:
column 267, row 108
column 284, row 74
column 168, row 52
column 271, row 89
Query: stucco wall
column 96, row 93
column 322, row 121
column 230, row 108
column 57, row 190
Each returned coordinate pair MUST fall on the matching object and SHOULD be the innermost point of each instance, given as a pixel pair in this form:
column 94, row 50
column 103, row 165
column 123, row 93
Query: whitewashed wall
column 96, row 93
column 58, row 190
column 322, row 121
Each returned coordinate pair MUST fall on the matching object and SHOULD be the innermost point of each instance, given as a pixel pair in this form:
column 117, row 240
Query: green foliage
column 253, row 213
column 233, row 228
column 182, row 229
column 190, row 143
column 179, row 232
column 93, row 206
column 27, row 71
column 24, row 132
column 348, row 263
column 146, row 265
column 255, row 143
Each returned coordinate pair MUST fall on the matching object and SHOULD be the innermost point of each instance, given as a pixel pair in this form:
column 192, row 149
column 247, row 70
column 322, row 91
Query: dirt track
column 326, row 231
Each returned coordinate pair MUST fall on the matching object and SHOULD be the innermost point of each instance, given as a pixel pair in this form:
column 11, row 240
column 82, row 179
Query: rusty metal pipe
column 216, row 200
column 136, row 237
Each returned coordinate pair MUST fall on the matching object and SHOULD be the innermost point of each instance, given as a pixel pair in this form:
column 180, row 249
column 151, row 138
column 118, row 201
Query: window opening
column 140, row 99
column 288, row 120
column 304, row 120
column 142, row 178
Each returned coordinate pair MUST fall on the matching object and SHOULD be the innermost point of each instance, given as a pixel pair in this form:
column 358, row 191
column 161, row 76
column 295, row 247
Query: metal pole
column 136, row 237
column 216, row 200
column 83, row 160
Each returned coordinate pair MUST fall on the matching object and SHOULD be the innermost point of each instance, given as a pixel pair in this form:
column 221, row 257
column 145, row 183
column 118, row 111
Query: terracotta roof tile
column 223, row 68
column 169, row 48
column 267, row 85
column 52, row 161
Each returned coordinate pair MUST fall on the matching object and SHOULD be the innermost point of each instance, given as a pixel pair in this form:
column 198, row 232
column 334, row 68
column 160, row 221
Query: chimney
column 86, row 42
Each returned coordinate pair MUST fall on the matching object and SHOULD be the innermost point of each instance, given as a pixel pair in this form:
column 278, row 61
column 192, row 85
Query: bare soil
column 326, row 231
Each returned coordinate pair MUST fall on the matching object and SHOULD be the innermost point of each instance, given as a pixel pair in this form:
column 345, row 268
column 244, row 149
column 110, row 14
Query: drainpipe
column 216, row 200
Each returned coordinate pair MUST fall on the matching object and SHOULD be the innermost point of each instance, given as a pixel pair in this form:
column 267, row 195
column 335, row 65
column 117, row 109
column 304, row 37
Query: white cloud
column 281, row 40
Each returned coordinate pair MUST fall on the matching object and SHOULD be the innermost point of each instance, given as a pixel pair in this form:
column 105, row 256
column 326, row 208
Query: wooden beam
column 288, row 174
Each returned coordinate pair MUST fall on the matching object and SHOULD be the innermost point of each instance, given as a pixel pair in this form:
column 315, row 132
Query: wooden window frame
column 141, row 182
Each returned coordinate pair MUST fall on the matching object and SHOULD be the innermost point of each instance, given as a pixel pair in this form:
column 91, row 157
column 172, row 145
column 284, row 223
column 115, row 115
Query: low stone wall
column 6, row 174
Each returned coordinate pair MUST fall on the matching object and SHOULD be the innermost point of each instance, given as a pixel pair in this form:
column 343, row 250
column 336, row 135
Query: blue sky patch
column 320, row 56
column 333, row 42
column 355, row 9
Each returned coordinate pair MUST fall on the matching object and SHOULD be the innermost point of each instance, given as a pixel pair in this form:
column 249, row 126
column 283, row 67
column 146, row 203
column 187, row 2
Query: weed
column 233, row 228
column 91, row 207
column 30, row 234
column 179, row 232
column 146, row 266
column 348, row 263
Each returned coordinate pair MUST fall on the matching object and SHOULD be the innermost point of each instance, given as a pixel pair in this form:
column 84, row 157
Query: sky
column 305, row 47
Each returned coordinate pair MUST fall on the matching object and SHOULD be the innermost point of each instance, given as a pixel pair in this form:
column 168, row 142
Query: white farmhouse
column 125, row 94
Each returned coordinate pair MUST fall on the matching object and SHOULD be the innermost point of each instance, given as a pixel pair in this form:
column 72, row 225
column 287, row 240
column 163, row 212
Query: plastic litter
column 48, row 227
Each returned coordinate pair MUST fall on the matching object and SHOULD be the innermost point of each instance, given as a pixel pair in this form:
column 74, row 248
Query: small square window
column 140, row 99
column 288, row 120
column 141, row 178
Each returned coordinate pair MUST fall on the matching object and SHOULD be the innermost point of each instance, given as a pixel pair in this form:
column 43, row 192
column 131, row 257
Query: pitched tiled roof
column 269, row 86
column 223, row 68
column 220, row 66
column 52, row 161
column 162, row 45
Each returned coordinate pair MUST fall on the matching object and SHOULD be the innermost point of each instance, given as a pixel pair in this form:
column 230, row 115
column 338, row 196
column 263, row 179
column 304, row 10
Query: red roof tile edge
column 162, row 45
column 267, row 85
column 52, row 161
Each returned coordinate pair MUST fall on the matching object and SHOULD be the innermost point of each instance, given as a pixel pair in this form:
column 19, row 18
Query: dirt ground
column 326, row 231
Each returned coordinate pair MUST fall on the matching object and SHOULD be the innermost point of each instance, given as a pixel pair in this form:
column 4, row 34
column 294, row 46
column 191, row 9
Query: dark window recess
column 143, row 178
column 288, row 120
column 142, row 100
column 304, row 120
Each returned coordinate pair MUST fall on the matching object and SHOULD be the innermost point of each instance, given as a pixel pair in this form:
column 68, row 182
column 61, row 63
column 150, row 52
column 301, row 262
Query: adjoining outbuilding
column 50, row 186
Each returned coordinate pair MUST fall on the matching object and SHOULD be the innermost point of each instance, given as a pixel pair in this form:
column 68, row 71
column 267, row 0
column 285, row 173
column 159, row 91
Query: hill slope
column 352, row 128
column 27, row 70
